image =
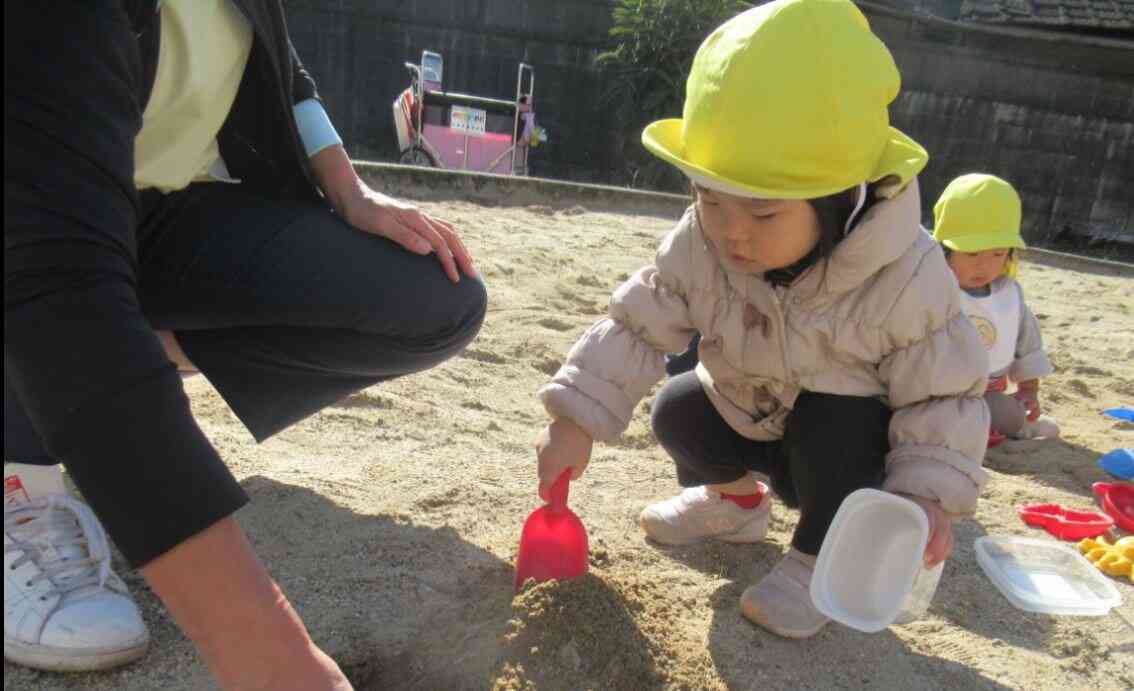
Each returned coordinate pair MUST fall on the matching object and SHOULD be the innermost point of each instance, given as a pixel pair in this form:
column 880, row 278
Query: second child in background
column 977, row 222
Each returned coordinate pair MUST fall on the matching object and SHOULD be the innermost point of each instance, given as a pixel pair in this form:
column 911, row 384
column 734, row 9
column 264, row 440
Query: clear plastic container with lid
column 917, row 602
column 870, row 570
column 1044, row 576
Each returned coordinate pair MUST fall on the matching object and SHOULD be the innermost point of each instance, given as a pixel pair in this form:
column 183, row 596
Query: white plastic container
column 870, row 571
column 1046, row 577
column 917, row 601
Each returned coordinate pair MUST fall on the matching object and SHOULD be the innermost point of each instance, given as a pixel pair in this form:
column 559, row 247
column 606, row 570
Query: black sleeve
column 302, row 83
column 86, row 366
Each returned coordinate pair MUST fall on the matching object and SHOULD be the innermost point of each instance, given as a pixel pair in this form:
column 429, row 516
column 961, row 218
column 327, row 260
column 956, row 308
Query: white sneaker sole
column 751, row 532
column 52, row 659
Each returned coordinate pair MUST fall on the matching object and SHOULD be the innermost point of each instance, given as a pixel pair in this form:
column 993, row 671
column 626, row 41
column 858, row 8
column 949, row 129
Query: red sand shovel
column 553, row 543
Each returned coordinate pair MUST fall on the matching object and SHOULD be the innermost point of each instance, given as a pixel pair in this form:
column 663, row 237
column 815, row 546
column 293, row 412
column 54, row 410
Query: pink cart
column 445, row 129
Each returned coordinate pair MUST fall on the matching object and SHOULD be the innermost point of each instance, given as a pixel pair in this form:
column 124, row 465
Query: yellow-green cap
column 978, row 212
column 789, row 100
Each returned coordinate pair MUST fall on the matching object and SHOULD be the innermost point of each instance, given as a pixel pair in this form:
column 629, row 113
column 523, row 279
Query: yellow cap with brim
column 986, row 241
column 978, row 212
column 789, row 100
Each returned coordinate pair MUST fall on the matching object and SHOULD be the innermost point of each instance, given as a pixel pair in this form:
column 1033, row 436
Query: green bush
column 654, row 43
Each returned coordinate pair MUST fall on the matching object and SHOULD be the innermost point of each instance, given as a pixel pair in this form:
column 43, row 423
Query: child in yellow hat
column 833, row 355
column 977, row 222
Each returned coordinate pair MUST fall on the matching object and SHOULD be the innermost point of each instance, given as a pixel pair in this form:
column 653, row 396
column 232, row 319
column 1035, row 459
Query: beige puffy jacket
column 881, row 318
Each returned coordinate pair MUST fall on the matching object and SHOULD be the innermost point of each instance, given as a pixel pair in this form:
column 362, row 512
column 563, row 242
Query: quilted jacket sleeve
column 936, row 375
column 619, row 358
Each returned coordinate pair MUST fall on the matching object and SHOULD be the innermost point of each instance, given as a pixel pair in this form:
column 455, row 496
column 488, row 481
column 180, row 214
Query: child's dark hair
column 833, row 212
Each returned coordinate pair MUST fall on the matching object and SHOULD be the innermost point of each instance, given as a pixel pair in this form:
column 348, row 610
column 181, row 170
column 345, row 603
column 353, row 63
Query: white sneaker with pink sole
column 699, row 513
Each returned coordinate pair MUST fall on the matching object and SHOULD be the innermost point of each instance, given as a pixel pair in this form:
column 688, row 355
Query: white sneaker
column 781, row 601
column 1043, row 428
column 64, row 608
column 699, row 513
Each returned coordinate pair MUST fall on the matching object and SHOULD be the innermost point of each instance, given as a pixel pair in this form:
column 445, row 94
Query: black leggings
column 832, row 446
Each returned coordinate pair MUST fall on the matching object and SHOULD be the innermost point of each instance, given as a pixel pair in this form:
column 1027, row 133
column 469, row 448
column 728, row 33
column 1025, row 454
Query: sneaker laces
column 62, row 537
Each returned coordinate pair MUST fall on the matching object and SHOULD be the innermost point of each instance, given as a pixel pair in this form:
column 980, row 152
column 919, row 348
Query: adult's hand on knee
column 562, row 445
column 377, row 213
column 411, row 228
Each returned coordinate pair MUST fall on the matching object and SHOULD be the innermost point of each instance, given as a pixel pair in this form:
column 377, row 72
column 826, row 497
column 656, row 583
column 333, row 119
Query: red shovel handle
column 557, row 495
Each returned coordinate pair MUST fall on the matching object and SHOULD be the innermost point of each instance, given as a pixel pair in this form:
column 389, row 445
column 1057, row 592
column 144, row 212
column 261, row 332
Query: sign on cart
column 468, row 120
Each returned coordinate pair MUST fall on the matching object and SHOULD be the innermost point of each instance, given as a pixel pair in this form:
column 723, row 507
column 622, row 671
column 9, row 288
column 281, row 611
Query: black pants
column 833, row 445
column 285, row 309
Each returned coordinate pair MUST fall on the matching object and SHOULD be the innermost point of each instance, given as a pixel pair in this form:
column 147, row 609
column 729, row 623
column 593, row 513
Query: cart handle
column 531, row 98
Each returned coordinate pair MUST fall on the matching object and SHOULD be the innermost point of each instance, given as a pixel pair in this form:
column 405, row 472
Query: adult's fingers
column 464, row 257
column 460, row 252
column 448, row 252
column 394, row 229
column 442, row 237
column 453, row 241
column 421, row 223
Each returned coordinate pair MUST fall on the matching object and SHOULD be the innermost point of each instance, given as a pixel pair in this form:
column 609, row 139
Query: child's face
column 757, row 235
column 978, row 269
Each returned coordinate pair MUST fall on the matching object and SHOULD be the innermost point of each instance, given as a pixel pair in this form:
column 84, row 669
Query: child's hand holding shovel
column 562, row 445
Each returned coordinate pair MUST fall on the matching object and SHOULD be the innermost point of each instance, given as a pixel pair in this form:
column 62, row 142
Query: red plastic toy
column 995, row 438
column 1064, row 523
column 1117, row 499
column 553, row 543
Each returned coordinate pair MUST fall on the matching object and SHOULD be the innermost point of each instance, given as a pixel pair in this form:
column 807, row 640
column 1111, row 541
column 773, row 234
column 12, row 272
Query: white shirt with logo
column 996, row 317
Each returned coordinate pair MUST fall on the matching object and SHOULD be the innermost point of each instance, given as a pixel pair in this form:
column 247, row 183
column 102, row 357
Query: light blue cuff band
column 315, row 128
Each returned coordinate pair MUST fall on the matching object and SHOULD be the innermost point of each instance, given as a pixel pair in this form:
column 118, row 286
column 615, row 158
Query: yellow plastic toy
column 1113, row 560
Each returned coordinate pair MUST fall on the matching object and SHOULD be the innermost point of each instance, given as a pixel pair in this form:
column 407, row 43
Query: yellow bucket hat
column 789, row 100
column 979, row 212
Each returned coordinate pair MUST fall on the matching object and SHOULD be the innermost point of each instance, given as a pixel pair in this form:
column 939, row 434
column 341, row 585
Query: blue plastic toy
column 1120, row 414
column 1119, row 463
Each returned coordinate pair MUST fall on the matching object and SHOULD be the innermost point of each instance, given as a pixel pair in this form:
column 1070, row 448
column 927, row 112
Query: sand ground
column 392, row 518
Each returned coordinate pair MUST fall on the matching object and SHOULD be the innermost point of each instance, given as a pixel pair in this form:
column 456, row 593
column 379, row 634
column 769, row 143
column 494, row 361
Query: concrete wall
column 1055, row 115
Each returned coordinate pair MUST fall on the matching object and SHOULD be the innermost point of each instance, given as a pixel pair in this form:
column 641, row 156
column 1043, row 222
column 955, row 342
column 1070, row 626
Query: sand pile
column 592, row 633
